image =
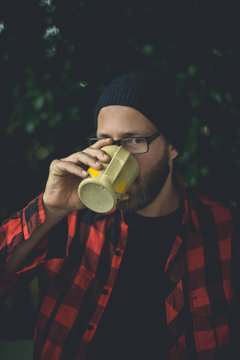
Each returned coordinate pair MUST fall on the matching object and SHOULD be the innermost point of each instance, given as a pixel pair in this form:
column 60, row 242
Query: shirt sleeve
column 15, row 230
column 236, row 252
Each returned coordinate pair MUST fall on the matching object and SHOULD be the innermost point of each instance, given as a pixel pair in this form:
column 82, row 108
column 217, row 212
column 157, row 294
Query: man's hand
column 66, row 174
column 60, row 196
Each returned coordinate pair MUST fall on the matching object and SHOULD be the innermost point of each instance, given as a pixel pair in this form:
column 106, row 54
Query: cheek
column 144, row 162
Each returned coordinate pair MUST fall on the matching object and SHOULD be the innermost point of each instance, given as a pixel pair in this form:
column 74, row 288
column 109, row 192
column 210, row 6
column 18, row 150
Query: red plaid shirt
column 78, row 262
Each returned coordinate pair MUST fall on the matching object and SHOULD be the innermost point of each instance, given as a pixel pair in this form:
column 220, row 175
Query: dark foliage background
column 56, row 56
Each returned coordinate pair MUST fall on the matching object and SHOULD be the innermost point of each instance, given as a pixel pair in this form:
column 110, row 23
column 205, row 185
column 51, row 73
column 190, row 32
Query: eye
column 138, row 140
column 127, row 141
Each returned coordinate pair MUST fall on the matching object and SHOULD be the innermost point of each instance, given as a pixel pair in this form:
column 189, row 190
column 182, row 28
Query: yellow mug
column 102, row 190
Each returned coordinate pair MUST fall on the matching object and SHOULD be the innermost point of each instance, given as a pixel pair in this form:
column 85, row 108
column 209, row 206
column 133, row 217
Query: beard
column 147, row 187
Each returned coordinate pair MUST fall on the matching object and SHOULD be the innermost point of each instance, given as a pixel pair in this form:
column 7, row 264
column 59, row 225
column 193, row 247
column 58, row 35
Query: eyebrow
column 122, row 134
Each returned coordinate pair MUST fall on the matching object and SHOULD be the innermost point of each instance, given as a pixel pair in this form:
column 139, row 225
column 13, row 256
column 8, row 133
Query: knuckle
column 78, row 153
column 54, row 163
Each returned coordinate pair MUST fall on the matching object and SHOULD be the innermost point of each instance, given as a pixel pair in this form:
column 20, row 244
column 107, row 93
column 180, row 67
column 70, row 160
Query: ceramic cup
column 102, row 190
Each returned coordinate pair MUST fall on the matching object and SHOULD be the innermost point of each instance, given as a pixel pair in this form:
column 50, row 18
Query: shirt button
column 118, row 252
column 105, row 291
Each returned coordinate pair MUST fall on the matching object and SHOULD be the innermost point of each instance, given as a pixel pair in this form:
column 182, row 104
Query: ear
column 173, row 153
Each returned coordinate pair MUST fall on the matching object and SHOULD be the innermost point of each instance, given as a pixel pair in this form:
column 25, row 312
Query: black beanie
column 154, row 97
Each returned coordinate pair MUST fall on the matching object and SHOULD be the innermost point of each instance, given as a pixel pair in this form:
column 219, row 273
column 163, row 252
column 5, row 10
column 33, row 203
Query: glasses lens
column 135, row 145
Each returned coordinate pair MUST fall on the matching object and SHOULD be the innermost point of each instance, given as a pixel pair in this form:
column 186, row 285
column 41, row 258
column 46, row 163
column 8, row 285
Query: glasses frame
column 149, row 140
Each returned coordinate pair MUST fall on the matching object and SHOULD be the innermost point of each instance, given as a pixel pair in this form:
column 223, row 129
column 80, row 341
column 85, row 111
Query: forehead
column 123, row 119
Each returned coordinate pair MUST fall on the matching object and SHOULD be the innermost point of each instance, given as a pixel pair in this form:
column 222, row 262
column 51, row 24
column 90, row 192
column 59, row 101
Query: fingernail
column 84, row 172
column 106, row 156
column 97, row 163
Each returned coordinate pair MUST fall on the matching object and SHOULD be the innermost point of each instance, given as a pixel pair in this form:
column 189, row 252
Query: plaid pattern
column 78, row 263
column 201, row 305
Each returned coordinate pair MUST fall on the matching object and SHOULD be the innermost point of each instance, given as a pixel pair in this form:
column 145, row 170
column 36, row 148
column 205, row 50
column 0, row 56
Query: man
column 152, row 278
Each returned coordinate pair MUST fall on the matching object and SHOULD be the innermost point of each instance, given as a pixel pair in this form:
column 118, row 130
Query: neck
column 166, row 202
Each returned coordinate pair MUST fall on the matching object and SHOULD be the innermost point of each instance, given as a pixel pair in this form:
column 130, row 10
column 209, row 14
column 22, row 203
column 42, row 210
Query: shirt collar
column 185, row 202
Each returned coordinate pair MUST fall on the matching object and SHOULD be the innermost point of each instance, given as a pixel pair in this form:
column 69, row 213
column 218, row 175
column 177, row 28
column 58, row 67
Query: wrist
column 53, row 213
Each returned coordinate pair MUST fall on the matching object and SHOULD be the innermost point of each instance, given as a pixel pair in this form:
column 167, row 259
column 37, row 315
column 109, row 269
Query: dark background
column 56, row 57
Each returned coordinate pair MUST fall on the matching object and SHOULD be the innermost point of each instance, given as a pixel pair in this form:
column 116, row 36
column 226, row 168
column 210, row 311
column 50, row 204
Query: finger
column 102, row 142
column 98, row 154
column 83, row 159
column 93, row 152
column 95, row 149
column 62, row 168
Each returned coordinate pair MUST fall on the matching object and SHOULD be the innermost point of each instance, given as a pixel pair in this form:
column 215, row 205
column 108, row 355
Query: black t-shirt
column 134, row 322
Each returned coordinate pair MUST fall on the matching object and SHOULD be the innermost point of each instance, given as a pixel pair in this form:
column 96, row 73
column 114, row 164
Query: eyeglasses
column 136, row 145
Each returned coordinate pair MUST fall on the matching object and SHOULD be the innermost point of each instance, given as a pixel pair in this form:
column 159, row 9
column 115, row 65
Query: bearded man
column 154, row 277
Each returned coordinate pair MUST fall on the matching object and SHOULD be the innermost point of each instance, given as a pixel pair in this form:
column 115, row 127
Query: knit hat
column 154, row 97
